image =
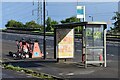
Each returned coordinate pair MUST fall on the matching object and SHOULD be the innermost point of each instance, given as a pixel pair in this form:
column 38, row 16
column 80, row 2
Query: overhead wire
column 28, row 16
column 20, row 15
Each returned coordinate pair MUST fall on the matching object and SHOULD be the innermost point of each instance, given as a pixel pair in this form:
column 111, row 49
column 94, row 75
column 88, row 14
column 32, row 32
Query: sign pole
column 81, row 15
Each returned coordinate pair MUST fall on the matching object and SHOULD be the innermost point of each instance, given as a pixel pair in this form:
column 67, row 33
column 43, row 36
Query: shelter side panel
column 65, row 43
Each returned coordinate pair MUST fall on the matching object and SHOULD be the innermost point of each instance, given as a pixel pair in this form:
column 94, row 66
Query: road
column 14, row 74
column 10, row 74
column 64, row 70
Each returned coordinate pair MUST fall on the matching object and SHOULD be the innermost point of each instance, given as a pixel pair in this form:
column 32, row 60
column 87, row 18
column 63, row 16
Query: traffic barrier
column 36, row 51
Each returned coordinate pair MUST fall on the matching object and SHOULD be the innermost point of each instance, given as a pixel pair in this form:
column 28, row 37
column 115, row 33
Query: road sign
column 81, row 12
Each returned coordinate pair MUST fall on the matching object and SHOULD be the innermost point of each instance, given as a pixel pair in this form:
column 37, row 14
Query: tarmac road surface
column 13, row 74
column 64, row 70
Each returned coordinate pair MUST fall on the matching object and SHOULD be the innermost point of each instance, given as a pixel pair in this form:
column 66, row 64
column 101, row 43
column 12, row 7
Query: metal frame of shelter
column 93, row 42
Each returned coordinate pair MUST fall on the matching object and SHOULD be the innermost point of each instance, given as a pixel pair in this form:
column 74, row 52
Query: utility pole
column 44, row 40
column 39, row 11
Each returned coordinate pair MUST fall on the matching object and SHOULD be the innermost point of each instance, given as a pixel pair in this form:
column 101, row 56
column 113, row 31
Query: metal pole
column 44, row 40
column 84, row 39
column 104, row 47
column 92, row 18
column 55, row 48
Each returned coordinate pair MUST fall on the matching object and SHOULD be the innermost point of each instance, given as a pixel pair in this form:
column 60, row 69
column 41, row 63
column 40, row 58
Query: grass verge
column 31, row 72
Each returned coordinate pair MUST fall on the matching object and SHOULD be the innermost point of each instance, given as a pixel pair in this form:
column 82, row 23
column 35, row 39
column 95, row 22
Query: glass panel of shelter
column 93, row 43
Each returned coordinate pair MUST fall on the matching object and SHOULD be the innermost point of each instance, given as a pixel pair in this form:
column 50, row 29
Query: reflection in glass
column 94, row 36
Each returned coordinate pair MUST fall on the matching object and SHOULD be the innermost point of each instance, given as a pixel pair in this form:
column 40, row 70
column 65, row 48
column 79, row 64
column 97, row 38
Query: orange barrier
column 36, row 51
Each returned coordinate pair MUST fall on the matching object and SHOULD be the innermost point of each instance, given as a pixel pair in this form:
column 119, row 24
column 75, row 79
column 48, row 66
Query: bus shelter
column 93, row 42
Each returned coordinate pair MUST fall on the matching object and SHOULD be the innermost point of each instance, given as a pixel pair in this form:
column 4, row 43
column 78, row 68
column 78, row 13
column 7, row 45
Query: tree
column 53, row 23
column 49, row 23
column 13, row 23
column 117, row 21
column 20, row 24
column 32, row 24
column 73, row 19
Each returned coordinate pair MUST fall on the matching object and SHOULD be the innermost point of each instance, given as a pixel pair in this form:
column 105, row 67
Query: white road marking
column 49, row 48
column 60, row 73
column 87, row 72
column 79, row 50
column 38, row 68
column 112, row 55
column 70, row 74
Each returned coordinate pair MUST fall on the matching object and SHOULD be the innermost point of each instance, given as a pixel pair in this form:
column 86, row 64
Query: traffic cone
column 36, row 51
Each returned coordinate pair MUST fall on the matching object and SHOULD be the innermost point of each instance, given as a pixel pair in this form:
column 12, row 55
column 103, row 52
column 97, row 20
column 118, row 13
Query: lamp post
column 91, row 17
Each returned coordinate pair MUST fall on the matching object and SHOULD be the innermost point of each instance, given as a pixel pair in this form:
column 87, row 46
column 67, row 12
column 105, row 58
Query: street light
column 91, row 17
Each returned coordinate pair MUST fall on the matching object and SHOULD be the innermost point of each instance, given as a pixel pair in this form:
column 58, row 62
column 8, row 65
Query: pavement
column 14, row 74
column 10, row 74
column 73, row 69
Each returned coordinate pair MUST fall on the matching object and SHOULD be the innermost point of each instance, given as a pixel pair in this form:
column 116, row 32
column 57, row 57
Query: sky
column 62, row 0
column 22, row 11
column 119, row 6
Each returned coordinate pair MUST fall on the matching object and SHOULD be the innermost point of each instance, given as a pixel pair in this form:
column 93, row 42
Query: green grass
column 113, row 36
column 49, row 33
column 42, row 32
column 36, row 31
column 29, row 71
column 78, row 34
column 2, row 28
column 52, row 34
